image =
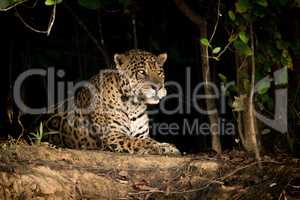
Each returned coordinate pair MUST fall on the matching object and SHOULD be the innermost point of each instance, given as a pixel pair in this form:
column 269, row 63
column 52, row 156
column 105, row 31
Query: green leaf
column 90, row 4
column 242, row 48
column 247, row 51
column 243, row 36
column 263, row 3
column 216, row 50
column 52, row 2
column 286, row 59
column 33, row 134
column 216, row 58
column 41, row 128
column 231, row 15
column 242, row 6
column 222, row 77
column 205, row 42
column 263, row 86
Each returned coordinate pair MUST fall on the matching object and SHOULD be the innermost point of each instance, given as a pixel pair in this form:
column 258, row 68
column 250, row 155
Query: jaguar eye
column 142, row 72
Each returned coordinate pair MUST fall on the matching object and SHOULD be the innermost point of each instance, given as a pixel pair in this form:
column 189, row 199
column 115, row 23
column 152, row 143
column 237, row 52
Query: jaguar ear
column 161, row 59
column 120, row 59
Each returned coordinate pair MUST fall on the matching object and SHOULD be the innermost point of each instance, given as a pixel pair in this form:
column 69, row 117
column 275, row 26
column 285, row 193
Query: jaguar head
column 145, row 74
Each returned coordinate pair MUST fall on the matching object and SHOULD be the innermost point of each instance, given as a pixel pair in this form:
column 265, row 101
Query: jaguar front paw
column 168, row 149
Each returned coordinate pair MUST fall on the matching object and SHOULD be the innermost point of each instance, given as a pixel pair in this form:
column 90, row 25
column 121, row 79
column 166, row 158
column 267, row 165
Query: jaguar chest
column 139, row 121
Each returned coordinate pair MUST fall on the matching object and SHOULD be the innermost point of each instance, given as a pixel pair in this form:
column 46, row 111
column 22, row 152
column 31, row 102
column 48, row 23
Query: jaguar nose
column 155, row 87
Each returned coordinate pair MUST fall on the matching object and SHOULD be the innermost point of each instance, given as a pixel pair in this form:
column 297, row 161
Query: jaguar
column 109, row 112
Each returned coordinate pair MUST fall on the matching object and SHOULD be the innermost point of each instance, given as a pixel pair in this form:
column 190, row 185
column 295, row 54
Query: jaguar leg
column 119, row 142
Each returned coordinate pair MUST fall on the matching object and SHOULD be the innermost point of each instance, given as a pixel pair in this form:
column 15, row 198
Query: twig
column 225, row 48
column 12, row 6
column 50, row 25
column 245, row 167
column 217, row 181
column 27, row 25
column 282, row 194
column 52, row 19
column 217, row 22
column 179, row 192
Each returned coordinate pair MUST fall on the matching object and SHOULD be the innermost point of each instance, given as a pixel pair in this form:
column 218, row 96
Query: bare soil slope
column 43, row 172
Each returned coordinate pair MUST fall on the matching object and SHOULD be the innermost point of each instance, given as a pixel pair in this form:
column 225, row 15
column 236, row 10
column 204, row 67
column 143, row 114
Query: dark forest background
column 160, row 27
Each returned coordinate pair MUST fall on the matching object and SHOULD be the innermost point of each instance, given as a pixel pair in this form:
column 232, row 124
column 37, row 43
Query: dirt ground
column 44, row 172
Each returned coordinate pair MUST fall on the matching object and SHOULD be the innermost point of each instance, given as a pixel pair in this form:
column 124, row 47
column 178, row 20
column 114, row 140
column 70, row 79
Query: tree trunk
column 210, row 103
column 247, row 124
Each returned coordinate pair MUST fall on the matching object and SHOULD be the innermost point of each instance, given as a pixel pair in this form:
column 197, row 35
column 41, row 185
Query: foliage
column 271, row 50
column 216, row 51
column 52, row 2
column 39, row 135
column 205, row 42
column 242, row 47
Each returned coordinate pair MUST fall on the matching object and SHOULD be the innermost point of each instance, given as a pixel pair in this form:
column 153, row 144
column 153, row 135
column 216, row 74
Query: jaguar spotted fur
column 110, row 112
